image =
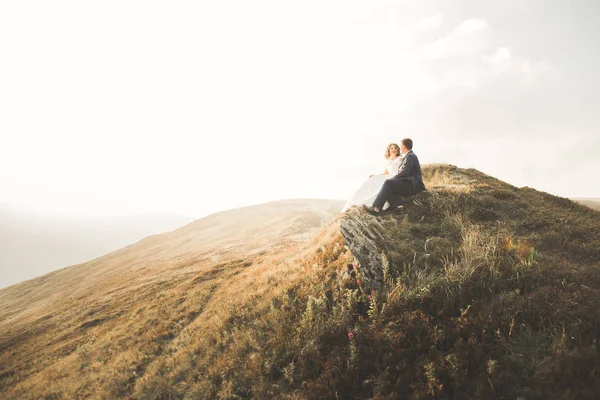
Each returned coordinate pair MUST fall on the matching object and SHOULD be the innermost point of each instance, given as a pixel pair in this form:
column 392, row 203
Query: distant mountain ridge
column 591, row 203
column 32, row 244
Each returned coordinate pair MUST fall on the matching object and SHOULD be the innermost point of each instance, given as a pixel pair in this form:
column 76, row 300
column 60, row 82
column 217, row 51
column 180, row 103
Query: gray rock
column 361, row 235
column 365, row 236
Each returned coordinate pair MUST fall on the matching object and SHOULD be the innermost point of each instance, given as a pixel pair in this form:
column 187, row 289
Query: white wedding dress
column 367, row 192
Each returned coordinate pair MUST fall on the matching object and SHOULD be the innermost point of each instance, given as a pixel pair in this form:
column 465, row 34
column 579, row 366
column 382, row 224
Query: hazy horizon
column 33, row 244
column 121, row 108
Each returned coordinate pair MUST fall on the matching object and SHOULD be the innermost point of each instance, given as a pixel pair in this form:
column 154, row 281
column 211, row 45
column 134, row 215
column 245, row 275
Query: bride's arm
column 384, row 173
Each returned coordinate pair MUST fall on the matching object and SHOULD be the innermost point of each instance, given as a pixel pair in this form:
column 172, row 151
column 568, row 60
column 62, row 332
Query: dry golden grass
column 93, row 330
column 490, row 292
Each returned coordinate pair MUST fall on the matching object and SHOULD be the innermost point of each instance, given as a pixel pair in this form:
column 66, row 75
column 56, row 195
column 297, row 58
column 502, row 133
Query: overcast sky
column 192, row 107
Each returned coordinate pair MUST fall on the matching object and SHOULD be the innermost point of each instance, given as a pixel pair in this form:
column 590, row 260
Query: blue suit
column 407, row 182
column 410, row 168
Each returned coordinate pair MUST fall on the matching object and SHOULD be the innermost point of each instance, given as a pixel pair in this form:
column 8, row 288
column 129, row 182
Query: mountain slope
column 477, row 290
column 33, row 244
column 44, row 321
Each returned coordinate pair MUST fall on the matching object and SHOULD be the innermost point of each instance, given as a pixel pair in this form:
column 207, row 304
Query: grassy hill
column 478, row 290
column 93, row 329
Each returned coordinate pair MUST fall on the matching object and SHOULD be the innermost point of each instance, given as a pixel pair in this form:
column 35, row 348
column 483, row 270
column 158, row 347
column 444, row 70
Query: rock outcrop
column 364, row 243
column 367, row 236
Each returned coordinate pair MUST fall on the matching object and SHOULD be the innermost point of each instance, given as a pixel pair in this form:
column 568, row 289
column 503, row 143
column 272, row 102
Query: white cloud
column 431, row 22
column 533, row 70
column 472, row 25
column 473, row 65
column 182, row 99
column 501, row 55
column 503, row 63
column 466, row 39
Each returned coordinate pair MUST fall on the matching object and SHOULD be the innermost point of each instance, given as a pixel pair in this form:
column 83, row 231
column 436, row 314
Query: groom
column 409, row 181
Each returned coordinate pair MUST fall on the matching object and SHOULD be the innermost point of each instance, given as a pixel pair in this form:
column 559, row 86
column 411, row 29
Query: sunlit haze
column 192, row 107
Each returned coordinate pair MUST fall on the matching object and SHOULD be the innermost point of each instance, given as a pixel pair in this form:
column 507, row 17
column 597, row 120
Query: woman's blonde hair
column 387, row 150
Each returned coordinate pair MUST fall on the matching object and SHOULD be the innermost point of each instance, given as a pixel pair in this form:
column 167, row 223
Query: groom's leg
column 382, row 196
column 403, row 189
column 387, row 193
column 392, row 191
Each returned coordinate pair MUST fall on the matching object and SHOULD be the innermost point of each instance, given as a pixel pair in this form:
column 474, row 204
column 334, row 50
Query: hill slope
column 121, row 298
column 32, row 244
column 478, row 290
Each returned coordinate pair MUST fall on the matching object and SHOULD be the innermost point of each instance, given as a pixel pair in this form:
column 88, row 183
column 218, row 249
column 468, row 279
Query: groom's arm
column 406, row 168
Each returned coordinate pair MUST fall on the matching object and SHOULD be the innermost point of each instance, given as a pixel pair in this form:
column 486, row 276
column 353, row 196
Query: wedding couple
column 402, row 177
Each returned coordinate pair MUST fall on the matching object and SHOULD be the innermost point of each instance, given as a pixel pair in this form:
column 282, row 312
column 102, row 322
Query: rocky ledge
column 369, row 236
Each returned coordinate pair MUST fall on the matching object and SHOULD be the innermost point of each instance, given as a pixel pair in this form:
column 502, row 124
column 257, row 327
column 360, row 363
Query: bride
column 367, row 192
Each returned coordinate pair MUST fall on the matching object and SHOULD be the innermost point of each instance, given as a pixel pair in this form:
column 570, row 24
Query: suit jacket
column 410, row 169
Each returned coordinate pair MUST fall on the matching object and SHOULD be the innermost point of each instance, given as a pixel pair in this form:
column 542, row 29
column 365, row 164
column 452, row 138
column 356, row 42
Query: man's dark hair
column 408, row 143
